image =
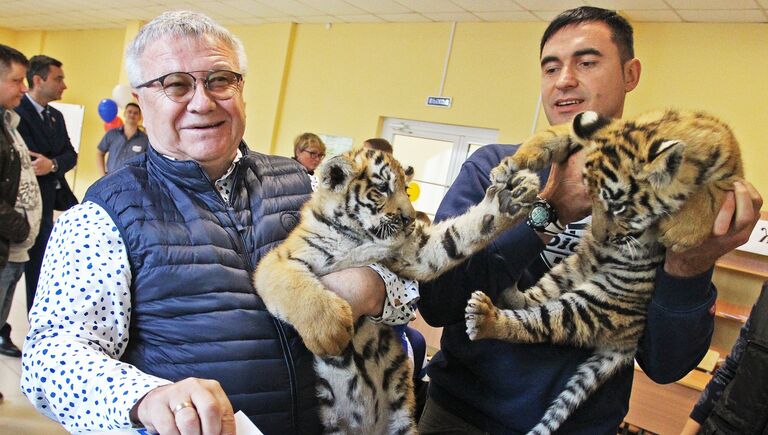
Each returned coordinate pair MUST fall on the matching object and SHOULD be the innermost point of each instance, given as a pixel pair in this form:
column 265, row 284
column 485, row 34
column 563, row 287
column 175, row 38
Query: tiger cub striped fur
column 361, row 214
column 656, row 182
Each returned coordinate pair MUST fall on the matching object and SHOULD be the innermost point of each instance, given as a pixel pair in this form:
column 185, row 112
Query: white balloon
column 122, row 95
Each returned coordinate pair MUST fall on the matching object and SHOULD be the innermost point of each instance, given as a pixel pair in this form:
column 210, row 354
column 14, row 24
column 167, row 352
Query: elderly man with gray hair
column 145, row 314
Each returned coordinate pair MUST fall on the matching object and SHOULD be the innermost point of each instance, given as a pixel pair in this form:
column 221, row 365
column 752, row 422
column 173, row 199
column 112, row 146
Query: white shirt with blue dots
column 79, row 327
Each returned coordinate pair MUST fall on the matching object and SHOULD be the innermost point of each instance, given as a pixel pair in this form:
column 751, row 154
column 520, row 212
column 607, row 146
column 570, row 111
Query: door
column 436, row 152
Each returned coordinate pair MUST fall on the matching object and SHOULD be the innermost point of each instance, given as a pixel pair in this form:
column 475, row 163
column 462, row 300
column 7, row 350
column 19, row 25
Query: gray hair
column 178, row 24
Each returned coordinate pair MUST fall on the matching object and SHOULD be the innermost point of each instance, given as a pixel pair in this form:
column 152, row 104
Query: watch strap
column 554, row 228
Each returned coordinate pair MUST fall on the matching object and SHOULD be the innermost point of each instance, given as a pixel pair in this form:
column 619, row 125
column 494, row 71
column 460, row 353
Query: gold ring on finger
column 181, row 406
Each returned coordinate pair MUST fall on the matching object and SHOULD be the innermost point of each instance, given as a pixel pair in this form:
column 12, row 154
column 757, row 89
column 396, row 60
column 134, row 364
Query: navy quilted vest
column 194, row 310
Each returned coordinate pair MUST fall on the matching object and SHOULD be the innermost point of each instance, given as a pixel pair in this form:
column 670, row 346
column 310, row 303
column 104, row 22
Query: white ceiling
column 92, row 14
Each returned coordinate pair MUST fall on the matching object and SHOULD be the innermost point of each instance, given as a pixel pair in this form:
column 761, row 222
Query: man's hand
column 361, row 287
column 167, row 410
column 566, row 191
column 733, row 226
column 41, row 164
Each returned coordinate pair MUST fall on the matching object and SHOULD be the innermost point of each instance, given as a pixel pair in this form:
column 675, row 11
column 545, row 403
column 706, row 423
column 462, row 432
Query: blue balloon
column 107, row 109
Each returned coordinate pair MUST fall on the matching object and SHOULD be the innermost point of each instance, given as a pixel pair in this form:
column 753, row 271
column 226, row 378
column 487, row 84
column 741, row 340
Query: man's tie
column 47, row 118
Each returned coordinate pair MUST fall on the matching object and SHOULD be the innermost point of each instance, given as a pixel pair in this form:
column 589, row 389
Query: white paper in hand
column 244, row 425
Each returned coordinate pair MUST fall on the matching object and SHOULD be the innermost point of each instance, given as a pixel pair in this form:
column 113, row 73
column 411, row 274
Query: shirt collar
column 231, row 169
column 37, row 105
column 229, row 172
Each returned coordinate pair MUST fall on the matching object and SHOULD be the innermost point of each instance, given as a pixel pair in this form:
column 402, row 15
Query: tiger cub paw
column 481, row 316
column 681, row 241
column 329, row 330
column 514, row 194
column 504, row 171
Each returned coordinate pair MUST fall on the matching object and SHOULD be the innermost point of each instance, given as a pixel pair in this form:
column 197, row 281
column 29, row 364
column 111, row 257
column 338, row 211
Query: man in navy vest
column 45, row 133
column 146, row 314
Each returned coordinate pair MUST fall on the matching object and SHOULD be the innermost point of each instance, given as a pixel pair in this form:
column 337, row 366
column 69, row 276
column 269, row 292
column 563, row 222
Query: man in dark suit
column 45, row 133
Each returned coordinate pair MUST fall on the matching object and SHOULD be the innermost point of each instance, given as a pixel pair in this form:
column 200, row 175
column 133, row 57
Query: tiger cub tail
column 589, row 376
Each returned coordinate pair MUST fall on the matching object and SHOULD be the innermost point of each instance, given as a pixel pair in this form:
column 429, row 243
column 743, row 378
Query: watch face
column 539, row 216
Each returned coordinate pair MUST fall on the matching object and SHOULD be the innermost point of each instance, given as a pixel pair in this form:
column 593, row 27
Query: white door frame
column 461, row 137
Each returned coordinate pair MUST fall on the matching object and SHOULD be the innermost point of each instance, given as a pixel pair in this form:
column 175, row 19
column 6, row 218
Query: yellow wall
column 342, row 80
column 345, row 78
column 268, row 49
column 716, row 67
column 7, row 37
column 91, row 63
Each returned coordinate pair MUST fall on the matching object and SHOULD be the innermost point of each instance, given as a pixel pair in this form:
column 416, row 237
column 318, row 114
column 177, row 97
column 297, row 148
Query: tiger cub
column 656, row 182
column 361, row 214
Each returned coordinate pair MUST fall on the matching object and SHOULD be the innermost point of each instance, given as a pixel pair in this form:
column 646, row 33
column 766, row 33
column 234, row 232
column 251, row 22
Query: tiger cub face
column 365, row 190
column 633, row 175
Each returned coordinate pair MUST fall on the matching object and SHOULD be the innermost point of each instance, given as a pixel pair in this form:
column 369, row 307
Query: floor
column 17, row 415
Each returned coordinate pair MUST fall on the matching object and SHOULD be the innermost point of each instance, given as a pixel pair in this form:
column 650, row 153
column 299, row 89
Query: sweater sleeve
column 679, row 326
column 79, row 328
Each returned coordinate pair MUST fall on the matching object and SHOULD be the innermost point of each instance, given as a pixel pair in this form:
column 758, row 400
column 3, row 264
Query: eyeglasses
column 180, row 86
column 314, row 154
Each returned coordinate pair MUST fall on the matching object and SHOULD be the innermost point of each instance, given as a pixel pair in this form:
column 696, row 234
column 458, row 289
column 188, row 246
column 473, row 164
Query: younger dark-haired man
column 45, row 133
column 587, row 63
column 122, row 143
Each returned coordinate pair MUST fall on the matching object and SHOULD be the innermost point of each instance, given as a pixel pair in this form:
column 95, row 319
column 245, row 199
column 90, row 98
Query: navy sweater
column 506, row 387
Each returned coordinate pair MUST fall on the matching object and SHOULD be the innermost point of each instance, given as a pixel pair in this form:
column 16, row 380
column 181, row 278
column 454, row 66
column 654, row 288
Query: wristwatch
column 543, row 218
column 54, row 165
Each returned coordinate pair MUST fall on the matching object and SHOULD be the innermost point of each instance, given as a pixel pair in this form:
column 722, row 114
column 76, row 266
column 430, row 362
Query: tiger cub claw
column 516, row 192
column 504, row 171
column 481, row 316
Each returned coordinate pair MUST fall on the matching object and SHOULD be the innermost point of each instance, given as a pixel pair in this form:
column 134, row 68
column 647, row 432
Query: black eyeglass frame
column 205, row 80
column 314, row 154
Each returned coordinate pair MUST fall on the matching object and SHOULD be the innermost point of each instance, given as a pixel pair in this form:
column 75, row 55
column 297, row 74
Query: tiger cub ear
column 664, row 161
column 409, row 173
column 585, row 124
column 335, row 173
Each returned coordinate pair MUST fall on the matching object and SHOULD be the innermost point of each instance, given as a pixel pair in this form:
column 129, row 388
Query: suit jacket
column 54, row 144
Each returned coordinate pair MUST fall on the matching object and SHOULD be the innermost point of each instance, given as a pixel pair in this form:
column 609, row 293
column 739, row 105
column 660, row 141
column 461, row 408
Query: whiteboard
column 73, row 118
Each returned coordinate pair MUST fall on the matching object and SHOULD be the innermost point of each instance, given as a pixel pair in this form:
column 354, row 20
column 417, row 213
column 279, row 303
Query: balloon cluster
column 121, row 95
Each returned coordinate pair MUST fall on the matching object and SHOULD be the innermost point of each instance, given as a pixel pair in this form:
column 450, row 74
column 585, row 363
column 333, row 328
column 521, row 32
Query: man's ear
column 335, row 173
column 36, row 80
column 664, row 160
column 632, row 70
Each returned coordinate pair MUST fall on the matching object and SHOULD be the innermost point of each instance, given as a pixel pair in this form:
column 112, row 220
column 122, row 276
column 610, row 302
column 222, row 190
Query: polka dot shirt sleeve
column 402, row 295
column 79, row 327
